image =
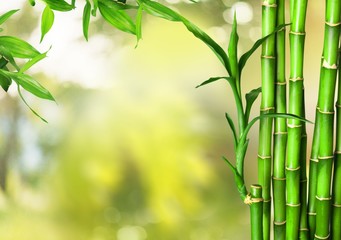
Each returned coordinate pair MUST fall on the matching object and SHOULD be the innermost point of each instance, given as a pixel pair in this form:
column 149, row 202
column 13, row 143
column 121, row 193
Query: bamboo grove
column 285, row 201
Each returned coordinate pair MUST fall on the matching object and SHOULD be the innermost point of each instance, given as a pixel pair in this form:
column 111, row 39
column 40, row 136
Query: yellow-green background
column 132, row 150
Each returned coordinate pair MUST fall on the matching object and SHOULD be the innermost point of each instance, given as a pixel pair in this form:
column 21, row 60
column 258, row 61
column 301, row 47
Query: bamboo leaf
column 159, row 10
column 139, row 24
column 233, row 47
column 243, row 59
column 47, row 20
column 18, row 48
column 7, row 15
column 214, row 79
column 8, row 56
column 233, row 128
column 250, row 99
column 117, row 18
column 59, row 5
column 118, row 5
column 5, row 81
column 94, row 10
column 29, row 84
column 33, row 111
column 86, row 19
column 33, row 61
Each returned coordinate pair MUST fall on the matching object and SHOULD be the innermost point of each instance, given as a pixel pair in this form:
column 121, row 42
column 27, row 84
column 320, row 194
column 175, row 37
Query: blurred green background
column 132, row 150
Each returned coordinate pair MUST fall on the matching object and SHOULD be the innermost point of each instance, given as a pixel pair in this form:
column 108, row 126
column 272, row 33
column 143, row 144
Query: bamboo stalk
column 280, row 133
column 326, row 117
column 256, row 212
column 336, row 205
column 297, row 37
column 269, row 9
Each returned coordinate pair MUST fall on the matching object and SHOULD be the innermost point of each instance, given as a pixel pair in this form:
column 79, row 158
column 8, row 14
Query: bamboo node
column 267, row 200
column 264, row 157
column 314, row 160
column 294, row 126
column 311, row 213
column 333, row 24
column 296, row 79
column 249, row 200
column 292, row 169
column 326, row 157
column 319, row 237
column 337, row 152
column 267, row 4
column 338, row 105
column 336, row 205
column 281, row 83
column 267, row 109
column 325, row 112
column 293, row 204
column 279, row 223
column 278, row 179
column 328, row 66
column 268, row 57
column 280, row 133
column 297, row 33
column 304, row 229
column 323, row 198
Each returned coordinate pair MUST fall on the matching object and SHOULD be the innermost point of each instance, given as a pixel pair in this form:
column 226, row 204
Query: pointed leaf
column 32, row 61
column 139, row 24
column 47, row 20
column 233, row 129
column 18, row 48
column 5, row 81
column 7, row 15
column 118, row 18
column 118, row 5
column 158, row 10
column 59, row 5
column 213, row 79
column 86, row 19
column 8, row 56
column 243, row 59
column 29, row 84
column 94, row 10
column 250, row 99
column 233, row 47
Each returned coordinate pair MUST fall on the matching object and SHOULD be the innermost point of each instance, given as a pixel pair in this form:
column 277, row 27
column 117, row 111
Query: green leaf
column 32, row 2
column 33, row 61
column 5, row 81
column 118, row 18
column 94, row 10
column 243, row 59
column 73, row 3
column 7, row 15
column 233, row 129
column 139, row 24
column 86, row 19
column 250, row 99
column 29, row 84
column 18, row 48
column 118, row 5
column 24, row 100
column 214, row 79
column 59, row 5
column 8, row 56
column 47, row 20
column 158, row 10
column 233, row 47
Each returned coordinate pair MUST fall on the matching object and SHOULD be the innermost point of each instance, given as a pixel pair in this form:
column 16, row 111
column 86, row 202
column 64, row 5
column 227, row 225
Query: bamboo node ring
column 267, row 109
column 304, row 229
column 278, row 179
column 333, row 24
column 314, row 160
column 281, row 83
column 337, row 105
column 249, row 200
column 294, row 126
column 292, row 169
column 319, row 237
column 311, row 213
column 297, row 33
column 279, row 223
column 325, row 112
column 268, row 57
column 267, row 4
column 328, row 66
column 264, row 157
column 296, row 79
column 326, row 157
column 323, row 198
column 280, row 133
column 267, row 200
column 293, row 204
column 336, row 205
column 337, row 152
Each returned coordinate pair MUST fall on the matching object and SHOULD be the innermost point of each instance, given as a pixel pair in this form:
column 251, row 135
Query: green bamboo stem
column 280, row 133
column 256, row 212
column 269, row 9
column 297, row 37
column 336, row 203
column 326, row 117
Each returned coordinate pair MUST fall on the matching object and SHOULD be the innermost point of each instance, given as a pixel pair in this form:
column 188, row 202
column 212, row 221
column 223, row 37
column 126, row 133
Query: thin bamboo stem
column 256, row 212
column 280, row 133
column 293, row 167
column 326, row 117
column 269, row 9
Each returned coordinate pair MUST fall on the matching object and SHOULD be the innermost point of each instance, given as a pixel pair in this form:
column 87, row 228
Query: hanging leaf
column 243, row 59
column 47, row 20
column 29, row 84
column 118, row 18
column 18, row 48
column 32, row 62
column 139, row 24
column 250, row 98
column 59, row 5
column 118, row 5
column 233, row 129
column 8, row 56
column 7, row 15
column 94, row 10
column 233, row 47
column 86, row 19
column 158, row 10
column 5, row 81
column 214, row 79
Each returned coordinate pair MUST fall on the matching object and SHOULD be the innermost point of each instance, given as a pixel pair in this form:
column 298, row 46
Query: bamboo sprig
column 280, row 132
column 293, row 165
column 269, row 10
column 336, row 202
column 326, row 117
